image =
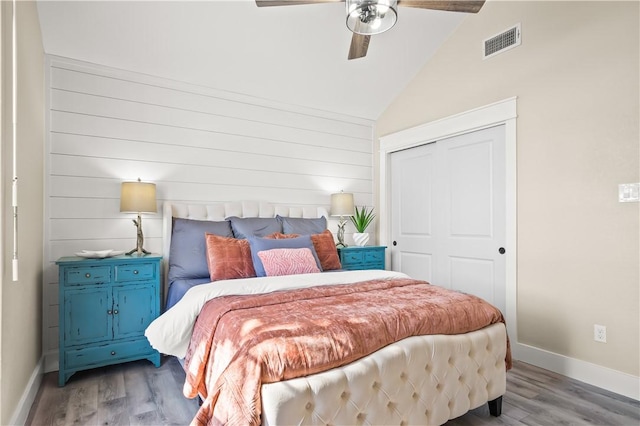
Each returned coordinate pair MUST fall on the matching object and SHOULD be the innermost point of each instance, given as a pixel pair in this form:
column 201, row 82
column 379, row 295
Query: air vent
column 504, row 41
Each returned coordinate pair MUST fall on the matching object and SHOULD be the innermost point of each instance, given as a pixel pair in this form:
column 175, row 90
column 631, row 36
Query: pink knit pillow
column 288, row 261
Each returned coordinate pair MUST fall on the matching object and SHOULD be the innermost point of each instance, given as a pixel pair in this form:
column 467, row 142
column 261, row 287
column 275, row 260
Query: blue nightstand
column 367, row 257
column 105, row 306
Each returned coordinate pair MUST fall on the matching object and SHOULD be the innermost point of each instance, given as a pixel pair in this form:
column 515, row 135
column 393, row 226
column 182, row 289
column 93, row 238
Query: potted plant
column 361, row 220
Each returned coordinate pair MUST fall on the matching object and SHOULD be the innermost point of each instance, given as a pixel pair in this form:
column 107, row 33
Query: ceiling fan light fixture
column 369, row 17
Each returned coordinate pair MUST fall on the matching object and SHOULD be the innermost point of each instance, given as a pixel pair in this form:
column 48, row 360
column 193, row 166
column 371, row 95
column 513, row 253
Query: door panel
column 474, row 228
column 474, row 276
column 89, row 316
column 455, row 192
column 416, row 265
column 412, row 198
column 470, row 191
column 135, row 304
column 412, row 207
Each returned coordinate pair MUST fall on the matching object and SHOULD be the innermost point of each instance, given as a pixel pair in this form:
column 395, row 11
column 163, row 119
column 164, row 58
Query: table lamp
column 341, row 205
column 138, row 197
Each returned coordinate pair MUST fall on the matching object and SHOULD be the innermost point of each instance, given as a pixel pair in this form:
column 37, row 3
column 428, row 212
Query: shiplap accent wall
column 198, row 144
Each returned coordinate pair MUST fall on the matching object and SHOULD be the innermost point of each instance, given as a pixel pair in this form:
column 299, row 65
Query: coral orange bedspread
column 241, row 342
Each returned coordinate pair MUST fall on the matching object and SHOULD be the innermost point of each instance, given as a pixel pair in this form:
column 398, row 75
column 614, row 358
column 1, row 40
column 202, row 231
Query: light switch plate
column 629, row 192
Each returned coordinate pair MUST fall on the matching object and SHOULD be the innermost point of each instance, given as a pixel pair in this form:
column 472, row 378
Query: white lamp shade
column 138, row 197
column 342, row 204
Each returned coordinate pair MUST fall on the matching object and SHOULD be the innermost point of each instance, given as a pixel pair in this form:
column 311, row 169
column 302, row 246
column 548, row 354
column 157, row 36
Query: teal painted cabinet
column 367, row 257
column 105, row 306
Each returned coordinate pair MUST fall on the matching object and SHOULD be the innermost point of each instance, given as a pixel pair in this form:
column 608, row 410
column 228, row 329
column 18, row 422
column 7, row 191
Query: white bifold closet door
column 448, row 213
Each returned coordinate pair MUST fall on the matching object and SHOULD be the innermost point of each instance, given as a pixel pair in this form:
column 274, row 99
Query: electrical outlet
column 600, row 333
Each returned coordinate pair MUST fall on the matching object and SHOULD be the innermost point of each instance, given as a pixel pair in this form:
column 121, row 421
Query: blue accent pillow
column 303, row 226
column 244, row 227
column 260, row 244
column 188, row 252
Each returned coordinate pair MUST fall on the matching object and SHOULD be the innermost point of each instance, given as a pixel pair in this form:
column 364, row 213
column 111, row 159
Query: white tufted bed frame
column 423, row 380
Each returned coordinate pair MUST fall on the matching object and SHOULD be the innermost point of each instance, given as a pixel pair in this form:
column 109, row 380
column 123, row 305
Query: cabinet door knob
column 109, row 312
column 135, row 272
column 501, row 250
column 87, row 275
column 115, row 312
column 395, row 243
column 113, row 352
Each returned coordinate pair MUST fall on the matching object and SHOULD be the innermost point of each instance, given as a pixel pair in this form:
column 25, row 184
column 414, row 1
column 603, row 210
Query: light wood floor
column 137, row 393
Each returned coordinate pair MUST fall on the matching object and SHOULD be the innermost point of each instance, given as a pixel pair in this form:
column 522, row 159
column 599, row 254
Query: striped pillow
column 287, row 261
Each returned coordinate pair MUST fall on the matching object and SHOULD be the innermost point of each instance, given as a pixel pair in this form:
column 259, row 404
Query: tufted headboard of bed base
column 221, row 211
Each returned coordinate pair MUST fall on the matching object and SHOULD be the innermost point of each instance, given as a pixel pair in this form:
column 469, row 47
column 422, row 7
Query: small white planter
column 361, row 238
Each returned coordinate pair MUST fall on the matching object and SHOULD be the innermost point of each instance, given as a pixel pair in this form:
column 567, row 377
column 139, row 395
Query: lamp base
column 340, row 235
column 139, row 238
column 138, row 252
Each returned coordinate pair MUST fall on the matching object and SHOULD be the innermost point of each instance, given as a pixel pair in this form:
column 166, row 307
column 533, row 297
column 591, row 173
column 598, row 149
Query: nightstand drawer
column 137, row 272
column 353, row 257
column 100, row 354
column 374, row 256
column 88, row 275
column 365, row 257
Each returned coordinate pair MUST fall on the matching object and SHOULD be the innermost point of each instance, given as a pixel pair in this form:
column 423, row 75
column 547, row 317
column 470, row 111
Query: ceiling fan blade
column 262, row 3
column 359, row 46
column 468, row 6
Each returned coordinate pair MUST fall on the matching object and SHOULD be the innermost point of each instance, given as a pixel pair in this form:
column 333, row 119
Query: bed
column 420, row 379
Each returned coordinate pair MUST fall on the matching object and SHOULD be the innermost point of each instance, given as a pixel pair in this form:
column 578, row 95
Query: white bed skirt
column 424, row 380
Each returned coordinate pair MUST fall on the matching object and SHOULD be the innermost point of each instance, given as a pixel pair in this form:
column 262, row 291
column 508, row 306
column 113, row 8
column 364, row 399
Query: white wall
column 197, row 144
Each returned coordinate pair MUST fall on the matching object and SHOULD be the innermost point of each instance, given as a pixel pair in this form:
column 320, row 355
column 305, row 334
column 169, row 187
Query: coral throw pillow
column 288, row 261
column 326, row 250
column 228, row 258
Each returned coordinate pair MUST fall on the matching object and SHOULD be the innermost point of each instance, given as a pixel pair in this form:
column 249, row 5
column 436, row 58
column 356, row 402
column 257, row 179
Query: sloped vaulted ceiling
column 294, row 54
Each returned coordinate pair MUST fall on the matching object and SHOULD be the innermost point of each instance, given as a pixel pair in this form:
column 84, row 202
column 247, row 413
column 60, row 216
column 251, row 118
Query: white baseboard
column 596, row 375
column 20, row 414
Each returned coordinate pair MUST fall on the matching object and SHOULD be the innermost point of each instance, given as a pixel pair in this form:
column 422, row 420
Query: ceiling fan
column 369, row 17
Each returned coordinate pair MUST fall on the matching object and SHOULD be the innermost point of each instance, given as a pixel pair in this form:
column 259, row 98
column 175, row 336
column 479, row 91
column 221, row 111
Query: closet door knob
column 501, row 250
column 395, row 243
